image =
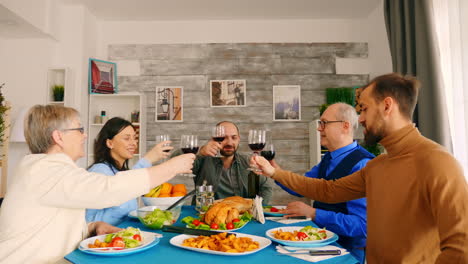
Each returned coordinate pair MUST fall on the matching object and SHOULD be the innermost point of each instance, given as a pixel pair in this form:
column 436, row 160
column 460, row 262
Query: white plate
column 263, row 243
column 280, row 207
column 149, row 240
column 331, row 237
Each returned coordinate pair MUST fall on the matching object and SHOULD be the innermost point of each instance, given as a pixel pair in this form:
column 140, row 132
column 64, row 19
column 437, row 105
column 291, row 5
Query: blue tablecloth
column 166, row 253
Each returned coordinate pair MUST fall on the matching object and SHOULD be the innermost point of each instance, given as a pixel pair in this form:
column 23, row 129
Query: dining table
column 164, row 252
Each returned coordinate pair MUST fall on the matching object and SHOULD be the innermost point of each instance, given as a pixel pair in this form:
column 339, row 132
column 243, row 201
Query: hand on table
column 298, row 209
column 102, row 228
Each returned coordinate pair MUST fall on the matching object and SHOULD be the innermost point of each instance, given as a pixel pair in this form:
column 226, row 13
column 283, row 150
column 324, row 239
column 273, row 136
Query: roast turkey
column 225, row 211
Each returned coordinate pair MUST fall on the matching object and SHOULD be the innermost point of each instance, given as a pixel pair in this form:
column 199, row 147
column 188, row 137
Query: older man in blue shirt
column 345, row 156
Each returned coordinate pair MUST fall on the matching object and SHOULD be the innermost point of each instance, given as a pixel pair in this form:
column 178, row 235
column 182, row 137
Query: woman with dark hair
column 115, row 144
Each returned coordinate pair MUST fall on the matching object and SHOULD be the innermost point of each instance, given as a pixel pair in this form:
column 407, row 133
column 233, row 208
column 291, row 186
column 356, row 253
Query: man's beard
column 229, row 153
column 374, row 136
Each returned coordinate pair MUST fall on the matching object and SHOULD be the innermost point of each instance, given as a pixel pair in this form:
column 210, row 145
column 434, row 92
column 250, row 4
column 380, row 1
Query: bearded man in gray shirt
column 228, row 174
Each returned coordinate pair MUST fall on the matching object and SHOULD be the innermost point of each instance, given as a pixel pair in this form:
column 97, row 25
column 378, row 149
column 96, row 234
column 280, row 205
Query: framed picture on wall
column 227, row 93
column 102, row 77
column 169, row 104
column 286, row 103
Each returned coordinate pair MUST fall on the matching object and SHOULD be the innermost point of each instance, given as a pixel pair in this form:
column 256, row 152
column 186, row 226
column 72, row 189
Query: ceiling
column 226, row 9
column 13, row 26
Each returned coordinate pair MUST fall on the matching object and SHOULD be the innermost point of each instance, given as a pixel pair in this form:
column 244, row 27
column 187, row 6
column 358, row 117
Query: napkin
column 308, row 257
column 287, row 221
column 257, row 211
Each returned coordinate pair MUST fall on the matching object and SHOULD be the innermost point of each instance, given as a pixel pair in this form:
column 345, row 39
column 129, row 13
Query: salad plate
column 267, row 210
column 149, row 240
column 330, row 238
column 263, row 243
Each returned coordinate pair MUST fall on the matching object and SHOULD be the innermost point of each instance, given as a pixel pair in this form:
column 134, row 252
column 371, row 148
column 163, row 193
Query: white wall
column 24, row 70
column 379, row 49
column 166, row 32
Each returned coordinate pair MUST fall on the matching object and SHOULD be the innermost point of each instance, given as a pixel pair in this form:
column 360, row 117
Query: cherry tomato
column 214, row 226
column 301, row 235
column 235, row 220
column 274, row 209
column 137, row 237
column 230, row 225
column 196, row 222
column 117, row 242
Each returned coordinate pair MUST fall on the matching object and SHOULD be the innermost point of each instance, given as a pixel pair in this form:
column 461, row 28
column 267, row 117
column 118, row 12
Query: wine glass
column 161, row 138
column 257, row 140
column 218, row 134
column 189, row 144
column 269, row 151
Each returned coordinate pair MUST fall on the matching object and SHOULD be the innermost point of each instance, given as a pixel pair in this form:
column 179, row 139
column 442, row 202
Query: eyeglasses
column 321, row 124
column 80, row 129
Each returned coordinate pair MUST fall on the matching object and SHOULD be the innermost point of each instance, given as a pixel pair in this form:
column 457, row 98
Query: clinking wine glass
column 189, row 144
column 257, row 140
column 269, row 151
column 161, row 138
column 218, row 134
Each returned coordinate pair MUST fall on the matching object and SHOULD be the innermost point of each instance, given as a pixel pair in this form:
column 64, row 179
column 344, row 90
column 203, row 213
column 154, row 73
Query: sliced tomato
column 235, row 220
column 117, row 242
column 301, row 235
column 230, row 225
column 137, row 237
column 196, row 222
column 274, row 209
column 214, row 226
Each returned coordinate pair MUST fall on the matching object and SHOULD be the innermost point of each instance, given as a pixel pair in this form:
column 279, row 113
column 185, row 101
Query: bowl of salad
column 155, row 217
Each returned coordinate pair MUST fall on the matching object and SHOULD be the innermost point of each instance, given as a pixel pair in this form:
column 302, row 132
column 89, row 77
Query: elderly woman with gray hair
column 43, row 214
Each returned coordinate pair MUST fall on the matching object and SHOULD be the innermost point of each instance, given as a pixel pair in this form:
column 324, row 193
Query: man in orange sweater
column 417, row 196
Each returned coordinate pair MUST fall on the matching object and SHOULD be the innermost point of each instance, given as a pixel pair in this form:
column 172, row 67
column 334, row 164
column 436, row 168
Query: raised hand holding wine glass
column 218, row 134
column 189, row 144
column 257, row 140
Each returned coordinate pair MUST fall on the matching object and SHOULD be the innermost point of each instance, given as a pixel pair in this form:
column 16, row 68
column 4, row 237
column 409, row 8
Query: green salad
column 313, row 233
column 130, row 236
column 157, row 219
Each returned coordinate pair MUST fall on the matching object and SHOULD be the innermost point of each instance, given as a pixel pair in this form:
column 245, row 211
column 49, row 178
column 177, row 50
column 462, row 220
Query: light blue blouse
column 116, row 214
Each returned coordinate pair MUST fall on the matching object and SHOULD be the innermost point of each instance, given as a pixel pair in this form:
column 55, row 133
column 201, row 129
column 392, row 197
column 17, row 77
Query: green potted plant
column 58, row 91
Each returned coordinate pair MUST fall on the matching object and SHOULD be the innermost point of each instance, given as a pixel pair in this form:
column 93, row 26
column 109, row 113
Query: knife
column 316, row 252
column 191, row 231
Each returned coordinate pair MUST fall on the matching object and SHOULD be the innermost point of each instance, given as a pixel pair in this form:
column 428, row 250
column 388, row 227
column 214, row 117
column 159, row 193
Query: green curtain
column 411, row 35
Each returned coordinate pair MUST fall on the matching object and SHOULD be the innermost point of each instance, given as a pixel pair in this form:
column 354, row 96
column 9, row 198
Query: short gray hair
column 41, row 121
column 348, row 113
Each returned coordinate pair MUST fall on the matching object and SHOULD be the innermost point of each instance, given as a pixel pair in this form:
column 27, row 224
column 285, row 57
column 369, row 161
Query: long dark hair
column 101, row 152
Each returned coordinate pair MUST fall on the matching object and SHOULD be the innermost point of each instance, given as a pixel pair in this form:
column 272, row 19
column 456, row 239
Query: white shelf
column 116, row 105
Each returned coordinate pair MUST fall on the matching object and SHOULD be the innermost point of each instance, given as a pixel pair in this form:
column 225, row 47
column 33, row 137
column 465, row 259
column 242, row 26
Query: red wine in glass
column 256, row 147
column 193, row 150
column 218, row 139
column 268, row 154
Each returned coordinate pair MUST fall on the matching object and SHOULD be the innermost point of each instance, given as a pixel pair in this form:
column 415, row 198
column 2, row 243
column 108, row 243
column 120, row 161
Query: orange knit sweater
column 417, row 200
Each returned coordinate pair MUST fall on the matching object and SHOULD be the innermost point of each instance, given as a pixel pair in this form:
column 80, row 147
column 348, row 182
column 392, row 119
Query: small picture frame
column 228, row 93
column 286, row 103
column 102, row 77
column 169, row 104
